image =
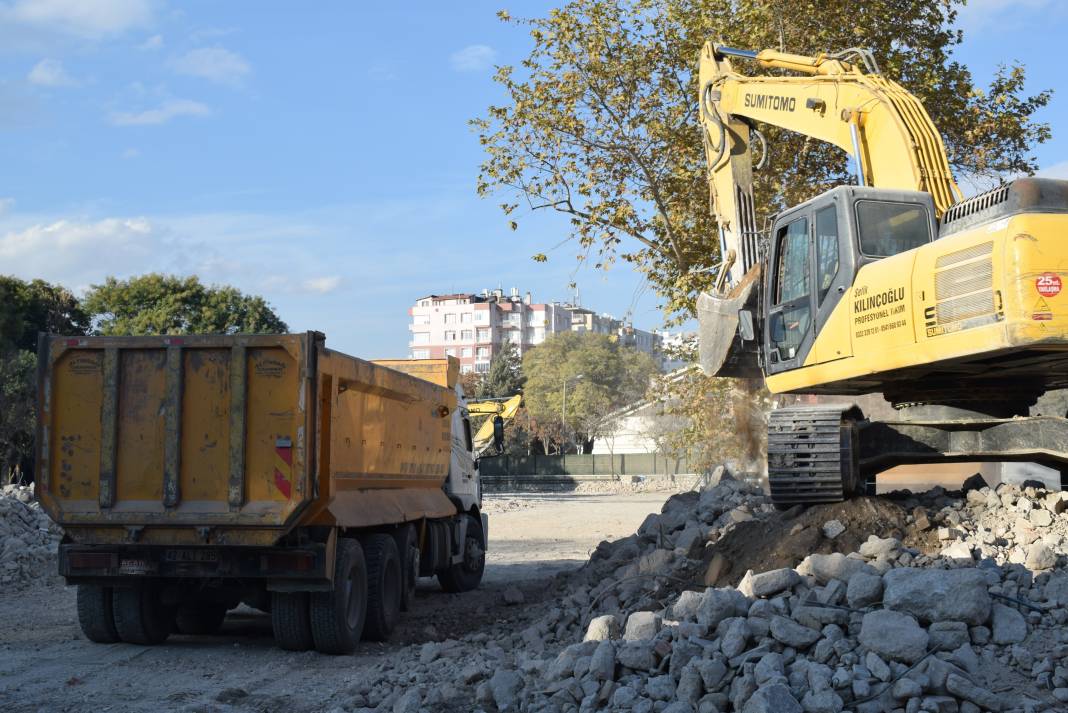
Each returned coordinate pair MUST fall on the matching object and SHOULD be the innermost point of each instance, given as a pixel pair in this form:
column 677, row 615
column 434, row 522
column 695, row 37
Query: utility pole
column 563, row 411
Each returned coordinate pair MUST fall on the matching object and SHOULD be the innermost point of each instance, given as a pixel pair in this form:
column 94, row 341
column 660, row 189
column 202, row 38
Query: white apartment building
column 474, row 327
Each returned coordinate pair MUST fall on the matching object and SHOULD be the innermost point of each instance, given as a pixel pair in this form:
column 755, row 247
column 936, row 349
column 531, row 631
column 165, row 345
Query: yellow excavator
column 951, row 308
column 489, row 438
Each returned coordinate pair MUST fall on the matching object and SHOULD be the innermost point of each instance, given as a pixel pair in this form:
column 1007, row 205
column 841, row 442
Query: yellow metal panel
column 443, row 372
column 205, row 465
column 274, row 423
column 75, row 429
column 139, row 473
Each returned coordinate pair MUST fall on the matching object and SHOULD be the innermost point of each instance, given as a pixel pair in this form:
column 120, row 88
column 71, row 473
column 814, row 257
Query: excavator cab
column 815, row 250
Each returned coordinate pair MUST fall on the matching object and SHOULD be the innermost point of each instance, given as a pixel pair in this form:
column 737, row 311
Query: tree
column 600, row 376
column 167, row 304
column 27, row 308
column 18, row 398
column 601, row 121
column 505, row 375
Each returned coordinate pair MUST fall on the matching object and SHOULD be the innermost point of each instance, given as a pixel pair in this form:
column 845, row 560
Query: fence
column 623, row 464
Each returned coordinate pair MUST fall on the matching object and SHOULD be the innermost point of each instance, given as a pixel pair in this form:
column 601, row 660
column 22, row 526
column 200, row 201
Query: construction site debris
column 28, row 538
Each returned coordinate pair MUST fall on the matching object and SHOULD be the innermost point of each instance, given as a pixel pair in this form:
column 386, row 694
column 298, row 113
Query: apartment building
column 473, row 327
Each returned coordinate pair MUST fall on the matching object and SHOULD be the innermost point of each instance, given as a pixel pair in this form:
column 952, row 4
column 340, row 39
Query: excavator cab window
column 791, row 313
column 826, row 249
column 890, row 228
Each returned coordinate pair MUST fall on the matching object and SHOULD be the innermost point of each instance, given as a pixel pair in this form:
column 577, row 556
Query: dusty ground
column 46, row 664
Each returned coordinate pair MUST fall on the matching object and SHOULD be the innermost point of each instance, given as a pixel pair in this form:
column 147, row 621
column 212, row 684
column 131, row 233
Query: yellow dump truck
column 191, row 474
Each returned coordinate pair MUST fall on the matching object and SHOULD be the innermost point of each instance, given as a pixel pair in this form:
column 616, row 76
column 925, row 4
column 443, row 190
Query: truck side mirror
column 745, row 325
column 498, row 434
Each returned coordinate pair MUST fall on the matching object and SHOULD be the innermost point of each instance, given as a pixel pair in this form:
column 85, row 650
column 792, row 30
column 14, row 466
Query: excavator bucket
column 728, row 339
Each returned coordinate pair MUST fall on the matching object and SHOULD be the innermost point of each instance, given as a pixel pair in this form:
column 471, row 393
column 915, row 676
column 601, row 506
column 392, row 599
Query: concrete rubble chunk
column 893, row 635
column 641, row 625
column 603, row 662
column 833, row 566
column 1040, row 557
column 963, row 688
column 773, row 698
column 637, row 655
column 686, row 606
column 938, row 595
column 505, row 686
column 602, row 627
column 864, row 590
column 1008, row 626
column 832, row 529
column 879, row 547
column 766, row 584
column 720, row 604
column 793, row 634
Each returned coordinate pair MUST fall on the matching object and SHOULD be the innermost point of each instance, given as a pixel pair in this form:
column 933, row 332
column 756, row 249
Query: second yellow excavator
column 951, row 308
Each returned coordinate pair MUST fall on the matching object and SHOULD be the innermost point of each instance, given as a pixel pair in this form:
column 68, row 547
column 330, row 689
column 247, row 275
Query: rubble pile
column 28, row 538
column 975, row 623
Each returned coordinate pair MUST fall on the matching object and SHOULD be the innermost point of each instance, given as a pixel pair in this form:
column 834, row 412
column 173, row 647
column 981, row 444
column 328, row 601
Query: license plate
column 191, row 556
column 137, row 567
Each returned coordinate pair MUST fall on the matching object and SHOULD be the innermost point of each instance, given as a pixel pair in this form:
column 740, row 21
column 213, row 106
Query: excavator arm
column 839, row 99
column 504, row 409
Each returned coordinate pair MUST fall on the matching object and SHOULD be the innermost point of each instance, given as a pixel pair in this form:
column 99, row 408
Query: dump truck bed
column 232, row 439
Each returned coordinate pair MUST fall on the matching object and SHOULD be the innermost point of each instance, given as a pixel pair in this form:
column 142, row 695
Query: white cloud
column 473, row 58
column 6, row 204
column 214, row 64
column 161, row 114
column 322, row 285
column 87, row 19
column 154, row 42
column 50, row 73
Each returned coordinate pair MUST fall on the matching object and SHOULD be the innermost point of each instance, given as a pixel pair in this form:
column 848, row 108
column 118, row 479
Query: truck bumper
column 299, row 568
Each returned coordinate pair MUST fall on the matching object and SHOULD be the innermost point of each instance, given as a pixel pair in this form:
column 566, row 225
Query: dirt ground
column 47, row 665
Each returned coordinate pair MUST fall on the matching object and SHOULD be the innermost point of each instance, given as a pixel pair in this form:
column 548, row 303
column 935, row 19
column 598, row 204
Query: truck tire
column 95, row 614
column 140, row 616
column 384, row 585
column 199, row 618
column 408, row 549
column 467, row 574
column 337, row 616
column 291, row 621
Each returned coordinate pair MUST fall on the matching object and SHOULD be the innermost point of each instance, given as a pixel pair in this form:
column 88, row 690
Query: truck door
column 790, row 296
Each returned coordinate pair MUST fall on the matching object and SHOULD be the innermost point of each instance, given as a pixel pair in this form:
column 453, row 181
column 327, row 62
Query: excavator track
column 812, row 454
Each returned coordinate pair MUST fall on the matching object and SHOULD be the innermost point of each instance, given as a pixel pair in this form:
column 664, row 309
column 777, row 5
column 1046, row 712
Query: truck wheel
column 384, row 584
column 466, row 574
column 408, row 549
column 140, row 616
column 95, row 614
column 291, row 621
column 199, row 618
column 337, row 616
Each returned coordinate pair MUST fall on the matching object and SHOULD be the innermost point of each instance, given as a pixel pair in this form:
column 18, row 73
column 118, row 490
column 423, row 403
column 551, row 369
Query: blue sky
column 315, row 153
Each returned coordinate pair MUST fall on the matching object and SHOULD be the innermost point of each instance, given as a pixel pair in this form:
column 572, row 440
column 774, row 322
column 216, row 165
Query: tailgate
column 170, row 432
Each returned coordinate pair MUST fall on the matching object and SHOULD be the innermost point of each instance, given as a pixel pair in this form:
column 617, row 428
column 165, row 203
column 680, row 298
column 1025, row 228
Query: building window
column 516, row 337
column 483, row 352
column 451, row 351
column 465, row 318
column 450, row 318
column 467, row 368
column 467, row 335
column 450, row 336
column 515, row 318
column 482, row 316
column 420, row 319
column 484, row 335
column 482, row 367
column 420, row 354
column 466, row 352
column 420, row 337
